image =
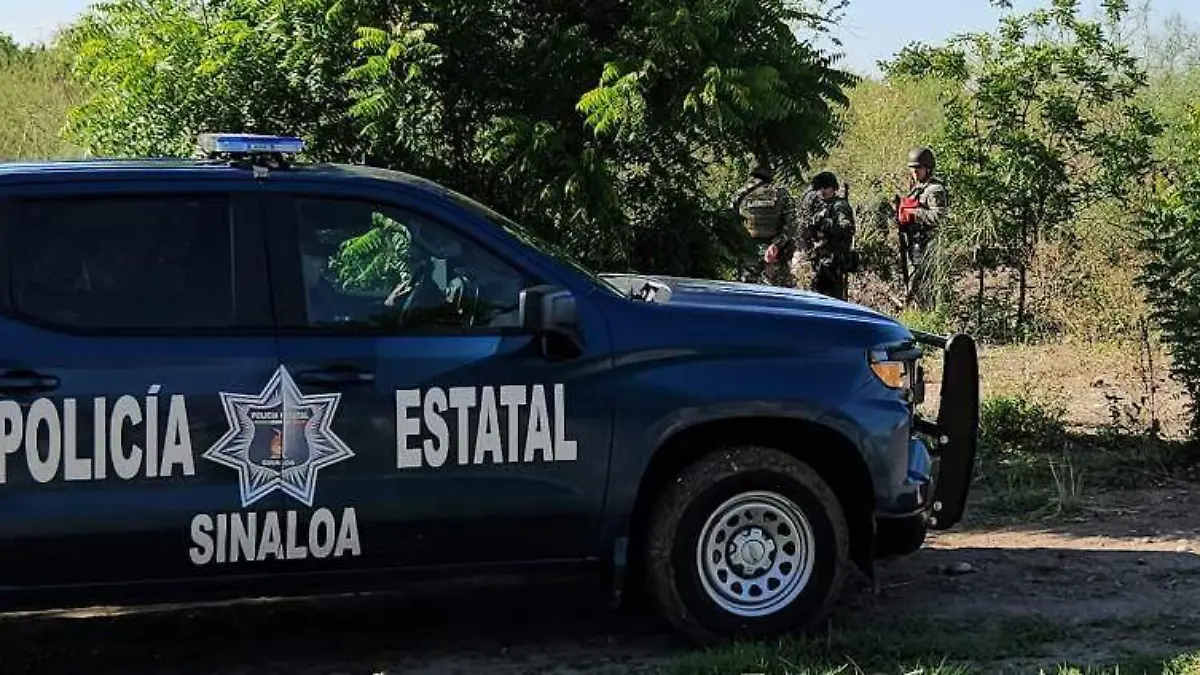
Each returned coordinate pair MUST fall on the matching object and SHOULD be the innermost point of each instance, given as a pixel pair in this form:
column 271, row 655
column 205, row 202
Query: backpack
column 762, row 213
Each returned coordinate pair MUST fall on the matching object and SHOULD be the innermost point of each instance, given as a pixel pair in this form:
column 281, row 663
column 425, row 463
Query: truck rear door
column 128, row 309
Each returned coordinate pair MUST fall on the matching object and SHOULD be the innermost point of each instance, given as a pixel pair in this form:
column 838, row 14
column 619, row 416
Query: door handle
column 334, row 377
column 20, row 382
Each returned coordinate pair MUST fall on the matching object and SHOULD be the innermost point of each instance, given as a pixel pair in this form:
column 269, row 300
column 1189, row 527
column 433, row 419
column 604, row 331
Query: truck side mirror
column 548, row 312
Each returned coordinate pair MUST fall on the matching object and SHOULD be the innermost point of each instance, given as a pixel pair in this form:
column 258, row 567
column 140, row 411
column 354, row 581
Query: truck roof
column 172, row 168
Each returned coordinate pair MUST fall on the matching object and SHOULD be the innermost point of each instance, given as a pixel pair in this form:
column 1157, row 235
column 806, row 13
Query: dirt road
column 1124, row 581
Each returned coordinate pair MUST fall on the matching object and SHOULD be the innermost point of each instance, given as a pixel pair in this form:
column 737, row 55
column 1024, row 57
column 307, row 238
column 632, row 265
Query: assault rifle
column 903, row 239
column 912, row 249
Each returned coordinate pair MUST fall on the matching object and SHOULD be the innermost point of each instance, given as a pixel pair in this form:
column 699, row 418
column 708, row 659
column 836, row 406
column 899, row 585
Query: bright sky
column 873, row 29
column 876, row 29
column 36, row 20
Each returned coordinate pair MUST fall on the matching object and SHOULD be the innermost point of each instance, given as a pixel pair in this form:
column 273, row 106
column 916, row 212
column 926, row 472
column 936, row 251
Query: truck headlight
column 891, row 372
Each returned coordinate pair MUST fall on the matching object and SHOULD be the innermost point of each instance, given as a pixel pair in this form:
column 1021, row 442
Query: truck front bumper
column 953, row 437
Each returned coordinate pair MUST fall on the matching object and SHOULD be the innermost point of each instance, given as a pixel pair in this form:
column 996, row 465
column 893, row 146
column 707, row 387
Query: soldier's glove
column 772, row 254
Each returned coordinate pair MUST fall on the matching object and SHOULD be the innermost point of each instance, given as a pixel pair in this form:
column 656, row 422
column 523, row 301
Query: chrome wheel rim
column 755, row 554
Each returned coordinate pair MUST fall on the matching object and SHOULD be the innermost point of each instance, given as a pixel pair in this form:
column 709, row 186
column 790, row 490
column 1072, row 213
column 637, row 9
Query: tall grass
column 37, row 93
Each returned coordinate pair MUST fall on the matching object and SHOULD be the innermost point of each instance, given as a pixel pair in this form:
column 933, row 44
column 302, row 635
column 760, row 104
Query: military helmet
column 922, row 157
column 825, row 179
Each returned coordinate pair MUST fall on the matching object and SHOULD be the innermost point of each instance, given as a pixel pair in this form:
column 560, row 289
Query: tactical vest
column 915, row 199
column 762, row 213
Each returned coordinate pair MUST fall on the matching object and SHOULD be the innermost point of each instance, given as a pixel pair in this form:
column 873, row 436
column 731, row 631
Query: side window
column 152, row 262
column 374, row 267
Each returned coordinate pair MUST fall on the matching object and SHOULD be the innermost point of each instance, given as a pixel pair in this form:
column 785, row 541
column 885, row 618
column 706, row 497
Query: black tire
column 677, row 523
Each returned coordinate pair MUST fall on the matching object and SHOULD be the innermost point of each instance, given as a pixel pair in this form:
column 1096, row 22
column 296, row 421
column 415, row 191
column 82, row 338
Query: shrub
column 929, row 321
column 1015, row 425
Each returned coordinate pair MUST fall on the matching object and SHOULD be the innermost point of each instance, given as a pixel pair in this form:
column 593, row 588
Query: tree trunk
column 979, row 302
column 1021, row 295
column 1023, row 283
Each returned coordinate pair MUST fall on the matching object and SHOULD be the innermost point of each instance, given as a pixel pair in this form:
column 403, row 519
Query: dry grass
column 1065, row 422
column 1090, row 383
column 37, row 96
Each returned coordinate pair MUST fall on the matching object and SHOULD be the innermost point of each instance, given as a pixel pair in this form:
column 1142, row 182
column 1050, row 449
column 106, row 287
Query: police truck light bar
column 245, row 144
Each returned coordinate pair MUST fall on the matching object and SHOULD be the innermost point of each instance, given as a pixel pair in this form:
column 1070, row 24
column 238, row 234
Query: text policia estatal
column 149, row 437
column 419, row 411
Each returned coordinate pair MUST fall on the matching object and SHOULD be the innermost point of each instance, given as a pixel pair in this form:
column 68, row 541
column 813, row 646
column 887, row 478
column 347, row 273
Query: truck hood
column 687, row 292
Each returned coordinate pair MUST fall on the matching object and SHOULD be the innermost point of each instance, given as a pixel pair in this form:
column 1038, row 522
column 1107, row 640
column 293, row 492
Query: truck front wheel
column 747, row 542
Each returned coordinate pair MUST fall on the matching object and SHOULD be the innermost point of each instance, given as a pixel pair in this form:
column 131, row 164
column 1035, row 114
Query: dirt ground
column 1090, row 382
column 1123, row 581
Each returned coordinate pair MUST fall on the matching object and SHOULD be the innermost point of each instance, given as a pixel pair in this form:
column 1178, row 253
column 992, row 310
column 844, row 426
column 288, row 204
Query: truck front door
column 470, row 445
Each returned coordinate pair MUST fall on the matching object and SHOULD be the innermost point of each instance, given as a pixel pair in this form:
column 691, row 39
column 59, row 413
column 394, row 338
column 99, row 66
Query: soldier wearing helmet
column 931, row 199
column 924, row 209
column 829, row 236
column 769, row 215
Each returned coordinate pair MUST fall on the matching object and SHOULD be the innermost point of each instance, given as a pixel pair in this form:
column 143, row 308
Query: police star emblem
column 279, row 439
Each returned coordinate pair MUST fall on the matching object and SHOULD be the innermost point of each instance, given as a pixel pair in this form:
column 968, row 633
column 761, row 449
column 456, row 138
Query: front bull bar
column 954, row 435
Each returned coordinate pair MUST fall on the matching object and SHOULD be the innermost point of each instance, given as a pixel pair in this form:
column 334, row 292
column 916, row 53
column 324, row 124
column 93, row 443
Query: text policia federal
column 276, row 440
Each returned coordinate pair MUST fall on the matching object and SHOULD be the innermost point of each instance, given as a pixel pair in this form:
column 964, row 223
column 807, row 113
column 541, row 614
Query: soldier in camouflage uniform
column 920, row 214
column 828, row 237
column 770, row 259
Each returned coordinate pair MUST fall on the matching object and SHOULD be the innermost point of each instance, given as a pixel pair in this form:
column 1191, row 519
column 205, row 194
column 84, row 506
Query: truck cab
column 238, row 372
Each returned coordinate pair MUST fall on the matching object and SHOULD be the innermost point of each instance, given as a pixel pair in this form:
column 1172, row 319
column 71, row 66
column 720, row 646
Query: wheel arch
column 843, row 468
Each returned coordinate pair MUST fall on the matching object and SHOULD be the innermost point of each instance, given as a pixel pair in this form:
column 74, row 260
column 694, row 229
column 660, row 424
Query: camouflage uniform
column 828, row 243
column 935, row 207
column 934, row 200
column 754, row 268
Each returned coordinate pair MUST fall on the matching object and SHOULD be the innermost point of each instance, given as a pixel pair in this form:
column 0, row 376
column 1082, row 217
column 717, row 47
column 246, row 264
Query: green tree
column 9, row 49
column 1170, row 226
column 615, row 129
column 375, row 261
column 1044, row 121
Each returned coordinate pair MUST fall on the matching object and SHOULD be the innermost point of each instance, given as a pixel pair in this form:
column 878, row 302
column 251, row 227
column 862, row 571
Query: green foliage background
column 619, row 130
column 1171, row 225
column 375, row 261
column 615, row 129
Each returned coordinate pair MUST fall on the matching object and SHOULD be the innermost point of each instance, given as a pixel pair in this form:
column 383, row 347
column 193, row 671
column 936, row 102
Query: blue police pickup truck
column 244, row 374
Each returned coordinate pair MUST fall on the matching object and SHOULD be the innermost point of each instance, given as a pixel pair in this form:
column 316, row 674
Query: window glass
column 124, row 263
column 533, row 241
column 373, row 267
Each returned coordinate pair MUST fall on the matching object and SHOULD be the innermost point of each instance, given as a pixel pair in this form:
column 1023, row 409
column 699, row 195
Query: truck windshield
column 530, row 239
